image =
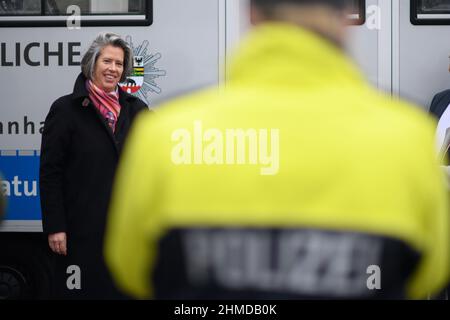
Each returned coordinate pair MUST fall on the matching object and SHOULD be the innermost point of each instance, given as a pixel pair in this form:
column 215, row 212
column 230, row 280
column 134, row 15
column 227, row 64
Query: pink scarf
column 107, row 103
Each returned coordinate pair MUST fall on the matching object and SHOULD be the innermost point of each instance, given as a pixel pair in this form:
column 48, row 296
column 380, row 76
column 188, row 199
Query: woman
column 82, row 140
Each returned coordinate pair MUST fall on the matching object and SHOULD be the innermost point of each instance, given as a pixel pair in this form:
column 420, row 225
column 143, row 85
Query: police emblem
column 142, row 81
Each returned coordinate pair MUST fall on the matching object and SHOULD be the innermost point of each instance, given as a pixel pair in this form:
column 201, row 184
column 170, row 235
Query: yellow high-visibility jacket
column 294, row 179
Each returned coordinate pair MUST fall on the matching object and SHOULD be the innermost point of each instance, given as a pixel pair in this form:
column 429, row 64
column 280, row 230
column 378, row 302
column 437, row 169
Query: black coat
column 440, row 103
column 79, row 156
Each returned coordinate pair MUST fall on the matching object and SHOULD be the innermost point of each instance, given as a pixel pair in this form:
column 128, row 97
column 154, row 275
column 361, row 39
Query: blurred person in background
column 297, row 180
column 83, row 136
column 439, row 108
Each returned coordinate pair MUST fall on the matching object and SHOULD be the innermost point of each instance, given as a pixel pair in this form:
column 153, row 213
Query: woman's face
column 109, row 68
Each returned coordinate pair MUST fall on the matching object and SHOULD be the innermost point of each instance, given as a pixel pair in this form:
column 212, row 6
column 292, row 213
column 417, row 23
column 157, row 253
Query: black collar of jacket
column 80, row 91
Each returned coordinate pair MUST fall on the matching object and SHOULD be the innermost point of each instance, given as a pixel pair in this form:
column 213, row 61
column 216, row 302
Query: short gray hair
column 107, row 39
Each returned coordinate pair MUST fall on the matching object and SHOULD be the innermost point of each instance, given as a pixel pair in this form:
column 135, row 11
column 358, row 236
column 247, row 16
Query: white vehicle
column 401, row 45
column 178, row 46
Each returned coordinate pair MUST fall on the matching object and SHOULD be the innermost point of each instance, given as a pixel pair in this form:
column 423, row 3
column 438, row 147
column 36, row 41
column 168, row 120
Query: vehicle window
column 429, row 12
column 92, row 12
column 357, row 12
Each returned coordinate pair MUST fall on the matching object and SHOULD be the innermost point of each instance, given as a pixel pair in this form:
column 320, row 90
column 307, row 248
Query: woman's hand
column 58, row 243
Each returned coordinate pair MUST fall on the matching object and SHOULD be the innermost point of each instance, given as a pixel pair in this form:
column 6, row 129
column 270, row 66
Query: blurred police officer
column 297, row 180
